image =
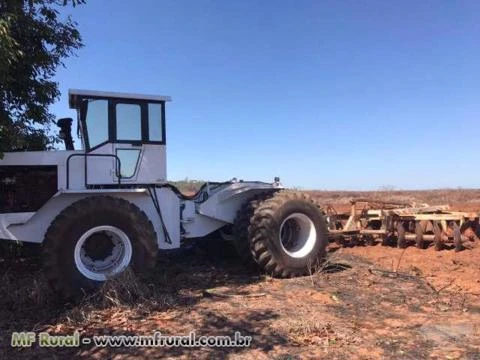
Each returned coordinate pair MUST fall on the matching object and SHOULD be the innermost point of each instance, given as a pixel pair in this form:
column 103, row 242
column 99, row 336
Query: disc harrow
column 403, row 224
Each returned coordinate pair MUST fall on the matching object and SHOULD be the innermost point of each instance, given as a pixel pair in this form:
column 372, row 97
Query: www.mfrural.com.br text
column 157, row 339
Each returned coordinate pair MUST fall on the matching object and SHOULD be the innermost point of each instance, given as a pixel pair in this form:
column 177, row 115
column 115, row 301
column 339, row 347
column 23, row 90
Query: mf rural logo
column 44, row 339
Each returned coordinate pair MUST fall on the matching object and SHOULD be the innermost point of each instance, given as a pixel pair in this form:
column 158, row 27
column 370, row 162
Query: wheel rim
column 298, row 235
column 102, row 251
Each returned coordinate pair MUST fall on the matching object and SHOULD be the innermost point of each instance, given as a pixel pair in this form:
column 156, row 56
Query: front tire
column 288, row 235
column 96, row 238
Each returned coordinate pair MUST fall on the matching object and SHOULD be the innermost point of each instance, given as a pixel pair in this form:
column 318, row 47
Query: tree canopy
column 34, row 41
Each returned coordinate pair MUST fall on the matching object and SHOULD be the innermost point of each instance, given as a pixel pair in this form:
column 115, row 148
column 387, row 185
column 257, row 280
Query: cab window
column 128, row 161
column 97, row 122
column 155, row 121
column 129, row 122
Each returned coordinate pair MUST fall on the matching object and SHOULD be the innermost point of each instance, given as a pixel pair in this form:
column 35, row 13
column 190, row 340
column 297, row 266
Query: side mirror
column 65, row 125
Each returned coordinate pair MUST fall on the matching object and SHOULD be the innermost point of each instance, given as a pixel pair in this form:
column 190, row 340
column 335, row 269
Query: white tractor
column 108, row 206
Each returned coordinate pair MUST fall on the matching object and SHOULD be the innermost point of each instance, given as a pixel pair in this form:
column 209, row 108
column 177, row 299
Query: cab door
column 99, row 164
column 129, row 135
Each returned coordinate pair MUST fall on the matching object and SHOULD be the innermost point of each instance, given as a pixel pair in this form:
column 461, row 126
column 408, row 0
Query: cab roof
column 75, row 95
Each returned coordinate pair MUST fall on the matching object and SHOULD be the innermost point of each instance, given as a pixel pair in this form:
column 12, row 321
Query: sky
column 324, row 94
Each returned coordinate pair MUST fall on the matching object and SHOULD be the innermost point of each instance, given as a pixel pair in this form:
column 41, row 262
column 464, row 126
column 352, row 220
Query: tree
column 34, row 41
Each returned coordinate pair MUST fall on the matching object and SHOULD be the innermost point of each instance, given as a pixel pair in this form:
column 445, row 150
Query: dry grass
column 301, row 328
column 125, row 291
column 29, row 291
column 323, row 315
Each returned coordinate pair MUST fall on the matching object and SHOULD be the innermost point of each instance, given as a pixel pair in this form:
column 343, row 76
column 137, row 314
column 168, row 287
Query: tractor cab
column 123, row 136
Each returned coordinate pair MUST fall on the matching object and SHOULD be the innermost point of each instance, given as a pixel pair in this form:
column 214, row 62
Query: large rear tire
column 288, row 235
column 241, row 228
column 96, row 238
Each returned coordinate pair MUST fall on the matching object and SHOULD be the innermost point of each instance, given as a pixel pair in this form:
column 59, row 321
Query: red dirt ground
column 370, row 302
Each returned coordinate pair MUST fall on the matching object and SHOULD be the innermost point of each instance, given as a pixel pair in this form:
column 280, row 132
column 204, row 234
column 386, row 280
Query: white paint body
column 83, row 173
column 197, row 219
